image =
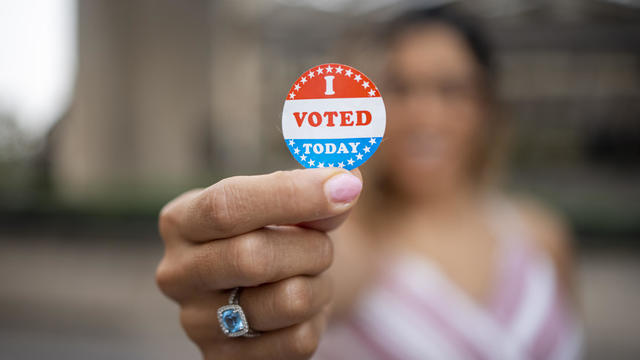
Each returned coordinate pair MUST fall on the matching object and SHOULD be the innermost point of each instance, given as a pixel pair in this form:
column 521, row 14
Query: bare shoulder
column 550, row 233
column 547, row 226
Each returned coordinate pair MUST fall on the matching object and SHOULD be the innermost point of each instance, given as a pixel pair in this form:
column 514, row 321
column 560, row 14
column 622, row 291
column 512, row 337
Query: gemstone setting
column 232, row 320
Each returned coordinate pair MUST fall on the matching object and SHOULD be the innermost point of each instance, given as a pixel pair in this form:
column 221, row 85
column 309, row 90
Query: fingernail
column 343, row 188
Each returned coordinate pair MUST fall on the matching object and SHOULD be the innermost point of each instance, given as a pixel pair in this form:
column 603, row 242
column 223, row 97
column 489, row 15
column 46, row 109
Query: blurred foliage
column 21, row 180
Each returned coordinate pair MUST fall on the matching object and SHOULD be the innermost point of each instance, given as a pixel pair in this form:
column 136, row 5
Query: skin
column 297, row 276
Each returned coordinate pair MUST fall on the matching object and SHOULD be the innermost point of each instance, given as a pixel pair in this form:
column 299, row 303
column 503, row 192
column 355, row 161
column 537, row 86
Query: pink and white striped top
column 414, row 311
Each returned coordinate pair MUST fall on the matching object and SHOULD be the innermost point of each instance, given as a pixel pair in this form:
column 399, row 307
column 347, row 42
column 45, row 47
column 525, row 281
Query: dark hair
column 465, row 25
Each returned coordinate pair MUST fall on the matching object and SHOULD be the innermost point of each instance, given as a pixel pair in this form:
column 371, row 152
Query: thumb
column 337, row 187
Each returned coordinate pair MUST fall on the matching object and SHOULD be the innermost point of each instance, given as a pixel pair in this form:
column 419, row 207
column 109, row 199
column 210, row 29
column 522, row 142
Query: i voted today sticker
column 333, row 117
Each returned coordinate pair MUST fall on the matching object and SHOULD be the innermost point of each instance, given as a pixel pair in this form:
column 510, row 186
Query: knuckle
column 222, row 206
column 252, row 258
column 167, row 220
column 325, row 255
column 288, row 188
column 166, row 278
column 283, row 177
column 202, row 269
column 297, row 297
column 171, row 214
column 304, row 340
column 323, row 250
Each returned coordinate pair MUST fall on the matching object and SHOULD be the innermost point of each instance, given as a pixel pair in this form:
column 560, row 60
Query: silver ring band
column 231, row 317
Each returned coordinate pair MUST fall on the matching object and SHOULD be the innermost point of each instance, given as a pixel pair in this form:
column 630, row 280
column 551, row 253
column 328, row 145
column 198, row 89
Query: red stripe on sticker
column 330, row 81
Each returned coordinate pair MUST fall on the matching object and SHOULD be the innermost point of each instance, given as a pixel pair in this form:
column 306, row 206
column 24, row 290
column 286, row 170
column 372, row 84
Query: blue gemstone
column 232, row 321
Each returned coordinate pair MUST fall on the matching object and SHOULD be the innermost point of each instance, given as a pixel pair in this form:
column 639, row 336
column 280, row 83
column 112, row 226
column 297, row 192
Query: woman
column 459, row 269
column 431, row 264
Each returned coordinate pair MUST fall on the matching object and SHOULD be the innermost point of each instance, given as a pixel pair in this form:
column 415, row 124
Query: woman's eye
column 454, row 89
column 451, row 89
column 398, row 88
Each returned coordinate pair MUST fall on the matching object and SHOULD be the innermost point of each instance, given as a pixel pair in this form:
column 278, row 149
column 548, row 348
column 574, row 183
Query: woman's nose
column 425, row 108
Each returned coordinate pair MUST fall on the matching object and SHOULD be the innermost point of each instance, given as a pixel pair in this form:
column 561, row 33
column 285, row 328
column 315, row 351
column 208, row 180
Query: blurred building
column 180, row 93
column 141, row 111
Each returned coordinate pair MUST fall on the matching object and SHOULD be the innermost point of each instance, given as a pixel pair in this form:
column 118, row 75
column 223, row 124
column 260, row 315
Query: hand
column 263, row 233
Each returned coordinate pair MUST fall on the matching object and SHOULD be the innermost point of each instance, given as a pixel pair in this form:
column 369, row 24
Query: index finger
column 240, row 204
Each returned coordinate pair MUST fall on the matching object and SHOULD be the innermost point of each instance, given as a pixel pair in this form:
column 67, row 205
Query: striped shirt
column 413, row 311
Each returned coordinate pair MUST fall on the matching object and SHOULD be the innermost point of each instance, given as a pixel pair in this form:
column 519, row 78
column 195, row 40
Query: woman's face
column 435, row 110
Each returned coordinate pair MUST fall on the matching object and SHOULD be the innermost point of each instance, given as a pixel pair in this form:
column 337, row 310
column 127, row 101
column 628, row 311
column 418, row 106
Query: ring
column 232, row 320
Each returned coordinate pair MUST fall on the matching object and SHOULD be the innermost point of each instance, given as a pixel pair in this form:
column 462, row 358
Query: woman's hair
column 463, row 24
column 466, row 26
column 485, row 156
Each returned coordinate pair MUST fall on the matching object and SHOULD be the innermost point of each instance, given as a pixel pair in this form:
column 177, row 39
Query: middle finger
column 263, row 256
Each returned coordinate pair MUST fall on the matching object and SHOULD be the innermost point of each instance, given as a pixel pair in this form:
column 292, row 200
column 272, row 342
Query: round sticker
column 333, row 117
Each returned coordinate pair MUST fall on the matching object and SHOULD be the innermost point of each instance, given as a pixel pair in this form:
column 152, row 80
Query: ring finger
column 267, row 307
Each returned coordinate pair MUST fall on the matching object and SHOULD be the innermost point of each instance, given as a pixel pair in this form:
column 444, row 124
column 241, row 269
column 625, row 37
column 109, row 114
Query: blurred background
column 108, row 109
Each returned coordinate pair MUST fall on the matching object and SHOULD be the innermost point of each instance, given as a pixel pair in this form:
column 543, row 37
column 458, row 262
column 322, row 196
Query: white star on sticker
column 297, row 87
column 340, row 165
column 303, row 157
column 296, row 150
column 350, row 161
column 366, row 149
column 372, row 141
column 357, row 77
column 320, row 165
column 292, row 95
column 365, row 84
column 339, row 70
column 329, row 68
column 372, row 92
column 359, row 156
column 320, row 70
column 311, row 74
column 311, row 163
column 348, row 72
column 331, row 165
column 303, row 80
column 291, row 142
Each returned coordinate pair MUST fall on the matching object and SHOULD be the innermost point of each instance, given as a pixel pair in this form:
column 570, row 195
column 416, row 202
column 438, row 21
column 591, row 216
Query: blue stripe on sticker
column 340, row 153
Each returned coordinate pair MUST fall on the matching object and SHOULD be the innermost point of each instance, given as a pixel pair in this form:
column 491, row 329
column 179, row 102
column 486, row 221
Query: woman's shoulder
column 549, row 232
column 547, row 226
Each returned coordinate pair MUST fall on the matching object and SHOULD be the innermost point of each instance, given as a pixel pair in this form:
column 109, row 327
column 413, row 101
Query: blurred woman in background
column 434, row 263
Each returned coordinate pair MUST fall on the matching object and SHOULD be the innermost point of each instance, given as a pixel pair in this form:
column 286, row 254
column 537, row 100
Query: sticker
column 333, row 117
